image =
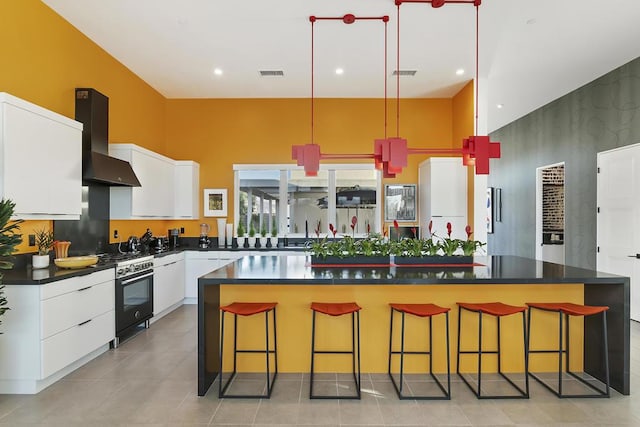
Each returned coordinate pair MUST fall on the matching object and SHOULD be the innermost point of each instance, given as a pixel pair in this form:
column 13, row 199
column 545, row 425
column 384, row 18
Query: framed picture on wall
column 215, row 202
column 400, row 202
column 489, row 217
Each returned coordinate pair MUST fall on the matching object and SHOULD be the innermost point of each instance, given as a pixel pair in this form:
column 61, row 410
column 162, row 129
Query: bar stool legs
column 420, row 310
column 248, row 309
column 565, row 310
column 498, row 310
column 337, row 309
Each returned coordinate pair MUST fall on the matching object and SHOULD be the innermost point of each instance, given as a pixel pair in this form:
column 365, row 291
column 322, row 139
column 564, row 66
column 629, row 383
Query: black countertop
column 494, row 269
column 41, row 276
column 23, row 274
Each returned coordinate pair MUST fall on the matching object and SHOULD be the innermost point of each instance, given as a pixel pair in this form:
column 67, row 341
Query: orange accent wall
column 221, row 132
column 45, row 58
column 463, row 127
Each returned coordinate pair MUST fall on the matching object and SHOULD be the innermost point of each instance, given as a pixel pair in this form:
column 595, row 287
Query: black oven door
column 134, row 301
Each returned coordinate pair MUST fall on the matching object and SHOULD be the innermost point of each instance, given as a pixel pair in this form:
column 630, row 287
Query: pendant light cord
column 313, row 20
column 385, row 78
column 398, row 71
column 477, row 56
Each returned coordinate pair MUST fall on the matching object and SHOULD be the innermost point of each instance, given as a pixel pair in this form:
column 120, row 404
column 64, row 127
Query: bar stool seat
column 498, row 310
column 335, row 310
column 248, row 309
column 419, row 310
column 571, row 309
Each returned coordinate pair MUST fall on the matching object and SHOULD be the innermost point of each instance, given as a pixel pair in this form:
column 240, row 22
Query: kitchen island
column 294, row 283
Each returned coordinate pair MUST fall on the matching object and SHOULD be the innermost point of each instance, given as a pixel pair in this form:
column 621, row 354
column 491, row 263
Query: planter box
column 346, row 261
column 433, row 260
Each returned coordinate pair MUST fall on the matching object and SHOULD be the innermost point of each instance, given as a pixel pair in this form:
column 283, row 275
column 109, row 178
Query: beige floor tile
column 151, row 380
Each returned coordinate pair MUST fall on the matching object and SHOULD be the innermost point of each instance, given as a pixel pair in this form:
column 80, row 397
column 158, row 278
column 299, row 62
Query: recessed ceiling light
column 217, row 71
column 459, row 72
column 339, row 71
column 499, row 106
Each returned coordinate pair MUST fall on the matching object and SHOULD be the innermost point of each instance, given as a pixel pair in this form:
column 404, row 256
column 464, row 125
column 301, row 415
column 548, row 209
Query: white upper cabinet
column 154, row 199
column 169, row 188
column 187, row 189
column 40, row 160
column 442, row 183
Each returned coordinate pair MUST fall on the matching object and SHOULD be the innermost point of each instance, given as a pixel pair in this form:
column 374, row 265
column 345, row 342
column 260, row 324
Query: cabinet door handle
column 85, row 322
column 84, row 289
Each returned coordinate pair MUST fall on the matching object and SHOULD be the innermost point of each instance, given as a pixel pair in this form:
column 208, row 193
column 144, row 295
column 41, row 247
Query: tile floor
column 150, row 380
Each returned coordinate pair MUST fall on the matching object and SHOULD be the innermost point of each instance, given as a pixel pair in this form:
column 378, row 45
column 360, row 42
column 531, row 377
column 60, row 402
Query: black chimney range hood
column 92, row 109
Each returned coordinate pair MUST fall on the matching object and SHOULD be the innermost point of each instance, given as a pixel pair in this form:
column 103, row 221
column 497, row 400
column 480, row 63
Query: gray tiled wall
column 599, row 116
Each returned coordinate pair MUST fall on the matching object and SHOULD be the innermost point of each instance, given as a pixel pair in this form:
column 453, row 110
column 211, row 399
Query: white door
column 618, row 233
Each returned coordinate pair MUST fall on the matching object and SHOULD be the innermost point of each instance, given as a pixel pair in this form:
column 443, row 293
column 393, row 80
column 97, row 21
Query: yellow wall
column 463, row 127
column 45, row 59
column 221, row 132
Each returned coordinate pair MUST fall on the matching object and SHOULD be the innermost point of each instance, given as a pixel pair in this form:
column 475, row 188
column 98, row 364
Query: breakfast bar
column 294, row 284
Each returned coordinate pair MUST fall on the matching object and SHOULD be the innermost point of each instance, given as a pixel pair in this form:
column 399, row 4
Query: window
column 282, row 196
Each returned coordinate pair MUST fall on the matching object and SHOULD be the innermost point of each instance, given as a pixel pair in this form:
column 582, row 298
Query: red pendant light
column 391, row 154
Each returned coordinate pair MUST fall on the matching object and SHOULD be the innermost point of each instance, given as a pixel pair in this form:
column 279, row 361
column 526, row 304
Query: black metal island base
column 293, row 282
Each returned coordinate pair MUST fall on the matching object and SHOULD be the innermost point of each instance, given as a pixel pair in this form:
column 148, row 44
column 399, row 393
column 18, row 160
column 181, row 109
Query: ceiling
column 531, row 52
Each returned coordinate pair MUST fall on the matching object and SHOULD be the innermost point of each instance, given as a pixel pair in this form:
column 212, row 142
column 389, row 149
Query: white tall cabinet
column 40, row 160
column 442, row 182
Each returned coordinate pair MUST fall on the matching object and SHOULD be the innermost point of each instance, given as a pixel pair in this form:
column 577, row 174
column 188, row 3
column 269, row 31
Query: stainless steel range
column 134, row 294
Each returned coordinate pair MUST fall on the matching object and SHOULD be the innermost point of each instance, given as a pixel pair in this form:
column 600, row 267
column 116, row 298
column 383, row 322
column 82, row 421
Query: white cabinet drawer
column 51, row 290
column 72, row 344
column 167, row 259
column 73, row 308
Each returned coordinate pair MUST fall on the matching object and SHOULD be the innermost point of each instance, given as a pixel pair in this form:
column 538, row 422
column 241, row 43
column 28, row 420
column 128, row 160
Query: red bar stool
column 498, row 310
column 249, row 309
column 419, row 310
column 569, row 309
column 338, row 309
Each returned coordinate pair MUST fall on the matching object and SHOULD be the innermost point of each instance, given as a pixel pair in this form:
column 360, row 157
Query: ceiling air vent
column 405, row 72
column 271, row 73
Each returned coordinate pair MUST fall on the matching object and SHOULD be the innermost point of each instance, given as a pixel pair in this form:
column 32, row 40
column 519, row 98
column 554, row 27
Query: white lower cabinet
column 199, row 263
column 54, row 328
column 196, row 265
column 168, row 284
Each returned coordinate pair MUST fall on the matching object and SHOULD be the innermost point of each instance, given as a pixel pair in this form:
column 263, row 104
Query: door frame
column 539, row 206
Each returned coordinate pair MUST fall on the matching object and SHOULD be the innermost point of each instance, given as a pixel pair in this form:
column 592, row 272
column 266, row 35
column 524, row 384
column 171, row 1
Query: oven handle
column 124, row 282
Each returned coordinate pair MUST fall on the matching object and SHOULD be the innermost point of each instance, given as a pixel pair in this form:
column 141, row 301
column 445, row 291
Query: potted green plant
column 252, row 235
column 470, row 246
column 44, row 243
column 274, row 233
column 372, row 250
column 9, row 239
column 263, row 236
column 241, row 234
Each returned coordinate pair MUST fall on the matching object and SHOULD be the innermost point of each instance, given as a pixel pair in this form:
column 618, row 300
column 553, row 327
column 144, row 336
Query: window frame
column 331, row 190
